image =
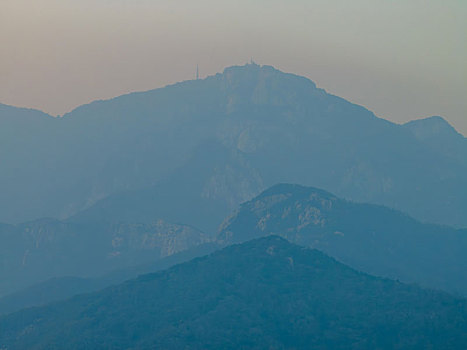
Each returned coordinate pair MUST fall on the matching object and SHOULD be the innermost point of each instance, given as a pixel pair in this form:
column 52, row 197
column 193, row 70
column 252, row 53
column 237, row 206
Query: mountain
column 272, row 126
column 36, row 251
column 440, row 136
column 265, row 293
column 201, row 193
column 61, row 288
column 370, row 238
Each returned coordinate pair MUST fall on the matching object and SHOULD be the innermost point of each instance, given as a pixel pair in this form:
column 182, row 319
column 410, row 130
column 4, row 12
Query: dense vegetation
column 265, row 293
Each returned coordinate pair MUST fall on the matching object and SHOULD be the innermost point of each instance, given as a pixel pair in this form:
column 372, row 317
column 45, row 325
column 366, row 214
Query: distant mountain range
column 370, row 238
column 227, row 137
column 39, row 250
column 61, row 288
column 265, row 293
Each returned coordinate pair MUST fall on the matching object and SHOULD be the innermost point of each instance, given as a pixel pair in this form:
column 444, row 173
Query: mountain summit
column 274, row 126
column 435, row 126
column 437, row 134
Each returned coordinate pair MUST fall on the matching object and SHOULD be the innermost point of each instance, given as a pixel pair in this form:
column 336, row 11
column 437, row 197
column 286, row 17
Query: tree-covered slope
column 368, row 237
column 265, row 293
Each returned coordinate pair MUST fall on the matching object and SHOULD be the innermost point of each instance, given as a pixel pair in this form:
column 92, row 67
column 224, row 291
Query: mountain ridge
column 226, row 70
column 285, row 128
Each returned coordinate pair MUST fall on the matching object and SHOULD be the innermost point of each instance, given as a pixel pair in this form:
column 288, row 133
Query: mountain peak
column 431, row 127
column 251, row 68
column 236, row 68
column 265, row 76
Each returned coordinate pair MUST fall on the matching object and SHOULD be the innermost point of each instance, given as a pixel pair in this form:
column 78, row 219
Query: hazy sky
column 403, row 59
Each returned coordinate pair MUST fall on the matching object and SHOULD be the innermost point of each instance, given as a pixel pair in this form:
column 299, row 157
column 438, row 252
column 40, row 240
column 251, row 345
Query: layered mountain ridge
column 262, row 293
column 367, row 237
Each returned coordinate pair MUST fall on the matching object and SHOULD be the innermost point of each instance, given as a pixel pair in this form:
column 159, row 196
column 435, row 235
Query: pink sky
column 401, row 59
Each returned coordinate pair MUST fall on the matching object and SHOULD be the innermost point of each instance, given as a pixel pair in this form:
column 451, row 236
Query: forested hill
column 265, row 293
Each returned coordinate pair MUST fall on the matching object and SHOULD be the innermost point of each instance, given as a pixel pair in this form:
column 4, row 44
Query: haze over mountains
column 367, row 237
column 39, row 250
column 148, row 180
column 65, row 286
column 253, row 126
column 265, row 293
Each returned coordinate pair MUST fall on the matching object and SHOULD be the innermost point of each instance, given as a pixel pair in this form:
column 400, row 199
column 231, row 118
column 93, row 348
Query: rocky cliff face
column 160, row 237
column 370, row 238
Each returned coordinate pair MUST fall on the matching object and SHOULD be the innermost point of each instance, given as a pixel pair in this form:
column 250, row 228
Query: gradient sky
column 403, row 59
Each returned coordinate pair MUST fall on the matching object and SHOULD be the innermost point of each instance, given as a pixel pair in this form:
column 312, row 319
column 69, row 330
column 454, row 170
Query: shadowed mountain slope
column 35, row 251
column 201, row 193
column 266, row 293
column 370, row 238
column 61, row 288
